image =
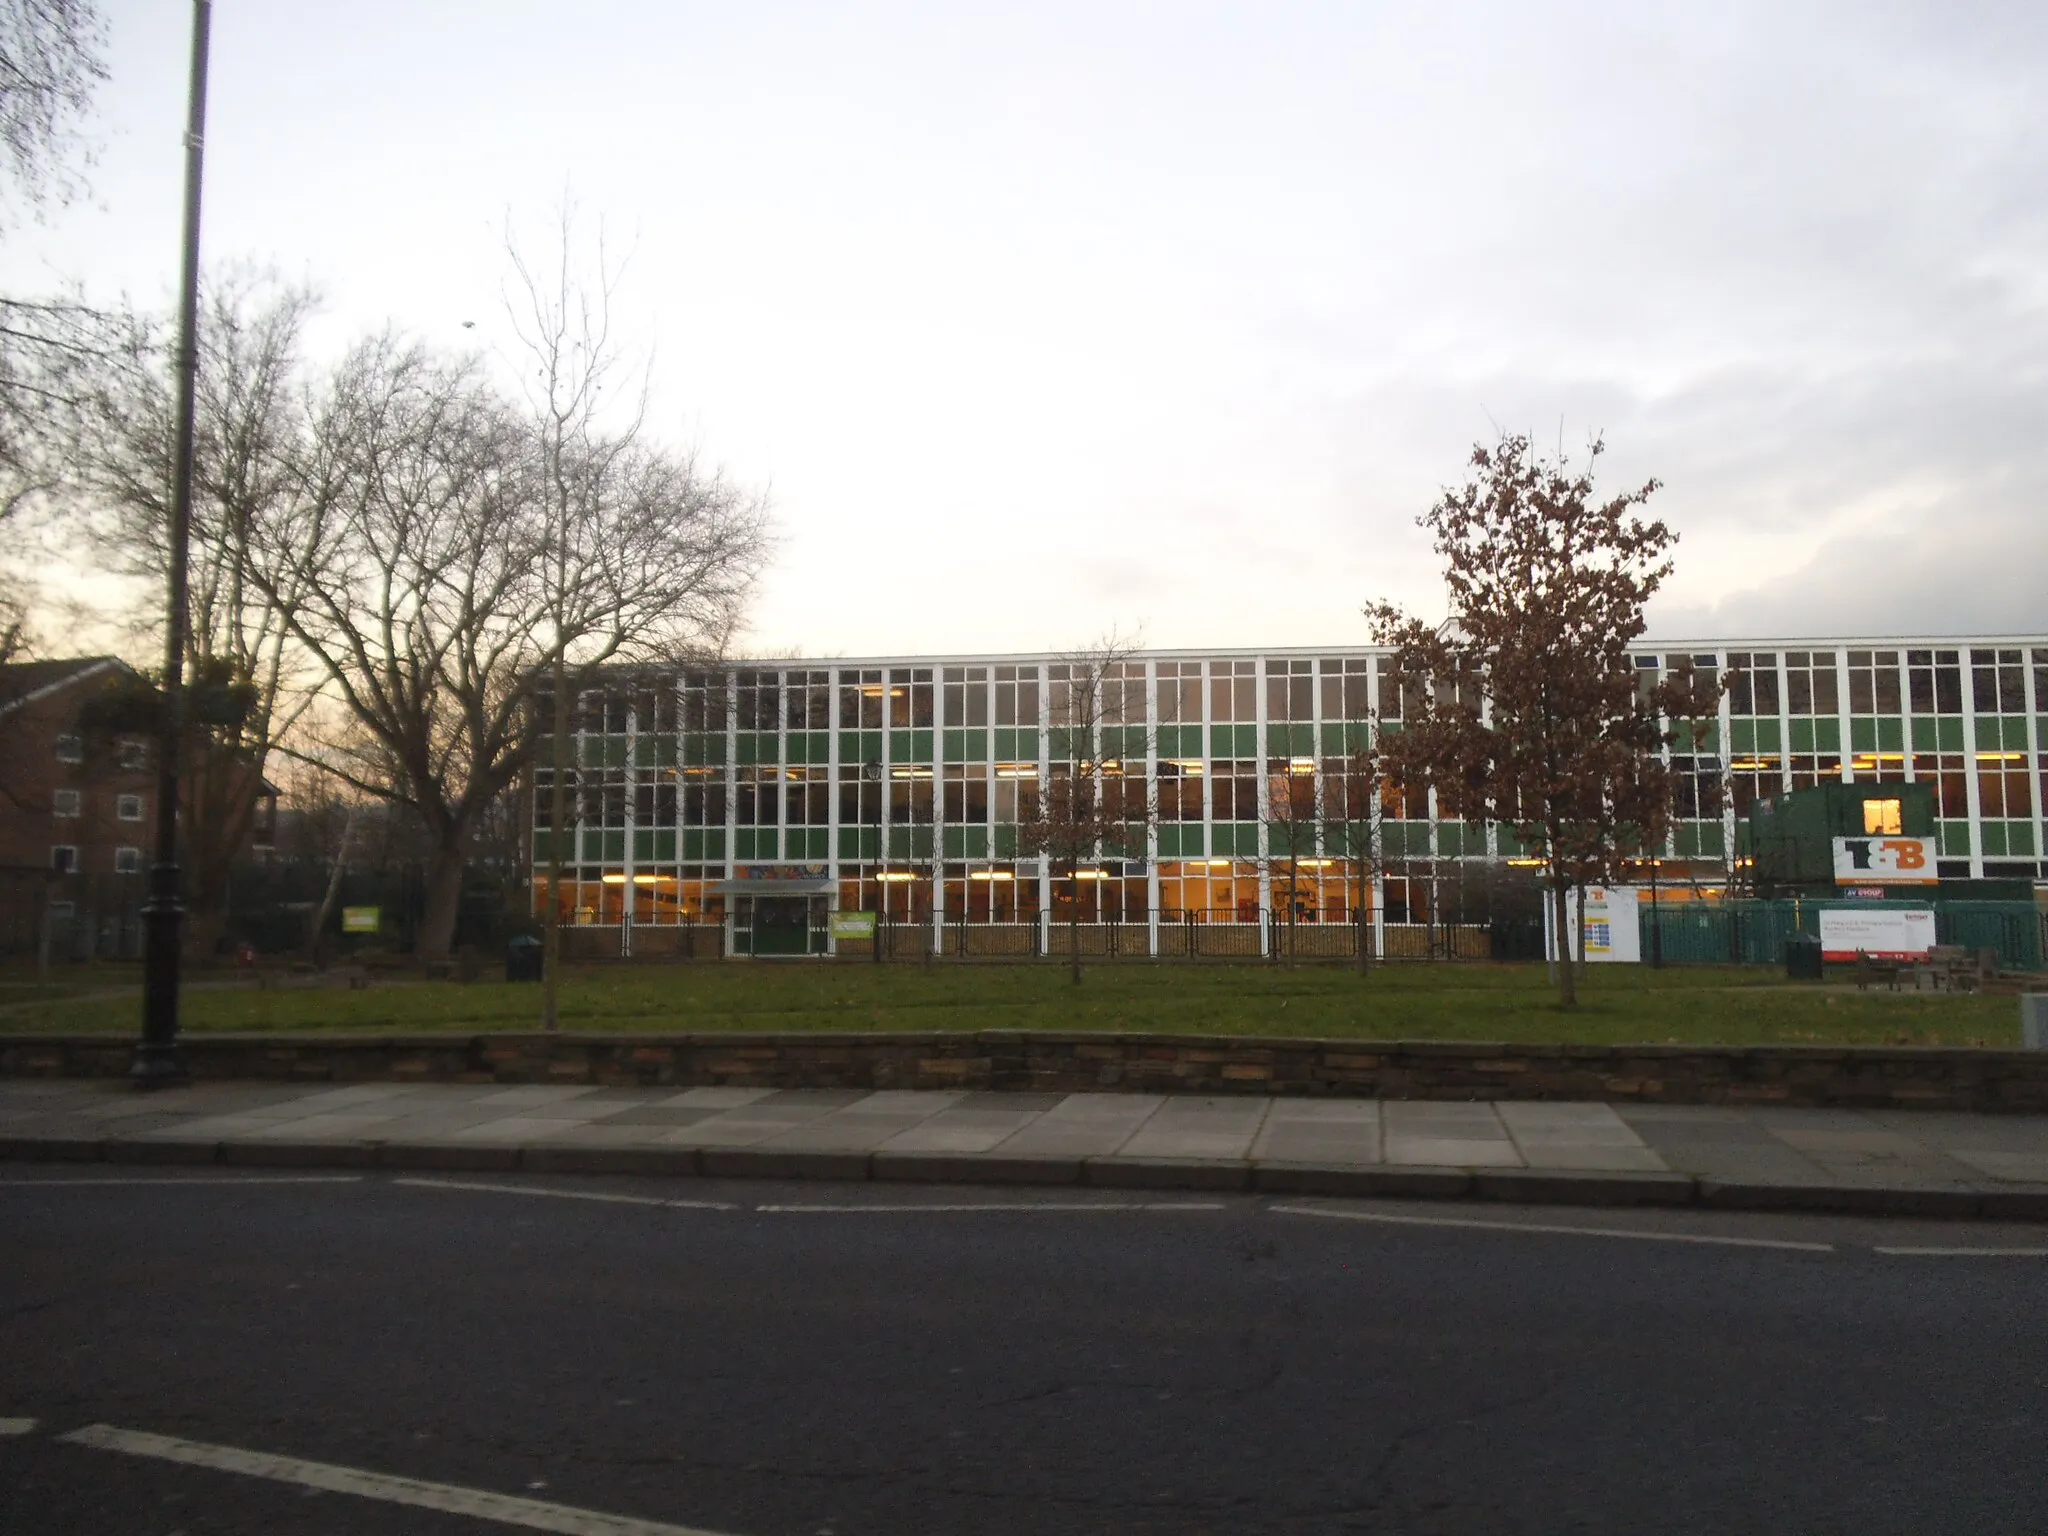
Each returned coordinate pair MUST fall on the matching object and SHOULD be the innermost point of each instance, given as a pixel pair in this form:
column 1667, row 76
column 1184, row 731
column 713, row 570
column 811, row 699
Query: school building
column 733, row 810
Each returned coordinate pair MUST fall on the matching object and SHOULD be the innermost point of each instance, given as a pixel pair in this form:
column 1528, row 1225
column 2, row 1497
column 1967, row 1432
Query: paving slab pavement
column 1754, row 1157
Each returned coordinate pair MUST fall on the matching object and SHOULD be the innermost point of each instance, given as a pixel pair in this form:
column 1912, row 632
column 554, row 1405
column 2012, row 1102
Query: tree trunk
column 1567, row 980
column 1074, row 921
column 444, row 901
column 316, row 935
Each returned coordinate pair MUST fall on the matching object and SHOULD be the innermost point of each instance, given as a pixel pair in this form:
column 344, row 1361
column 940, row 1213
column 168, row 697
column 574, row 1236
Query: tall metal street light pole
column 156, row 1056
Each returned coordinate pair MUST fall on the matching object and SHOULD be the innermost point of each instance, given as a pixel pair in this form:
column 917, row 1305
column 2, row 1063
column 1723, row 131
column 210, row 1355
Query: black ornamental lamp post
column 156, row 1055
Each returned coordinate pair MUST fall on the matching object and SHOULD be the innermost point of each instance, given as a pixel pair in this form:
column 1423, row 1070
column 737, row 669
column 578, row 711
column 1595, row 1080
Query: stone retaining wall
column 1819, row 1076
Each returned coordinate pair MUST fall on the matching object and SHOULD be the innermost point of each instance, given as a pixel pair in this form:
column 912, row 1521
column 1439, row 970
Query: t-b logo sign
column 1884, row 861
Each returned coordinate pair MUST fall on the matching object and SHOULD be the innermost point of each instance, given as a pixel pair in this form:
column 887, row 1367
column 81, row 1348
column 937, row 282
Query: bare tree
column 250, row 433
column 1529, row 710
column 50, row 66
column 1353, row 826
column 51, row 63
column 1092, row 808
column 445, row 575
column 641, row 556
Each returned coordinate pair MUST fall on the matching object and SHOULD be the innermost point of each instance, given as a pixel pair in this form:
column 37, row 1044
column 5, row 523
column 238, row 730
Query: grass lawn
column 1701, row 1004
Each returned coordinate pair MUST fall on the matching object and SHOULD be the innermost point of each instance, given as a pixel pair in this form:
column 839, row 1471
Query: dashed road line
column 478, row 1503
column 175, row 1182
column 606, row 1197
column 1965, row 1253
column 12, row 1427
column 1533, row 1226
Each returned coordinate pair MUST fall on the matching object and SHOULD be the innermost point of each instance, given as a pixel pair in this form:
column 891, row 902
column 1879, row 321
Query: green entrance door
column 782, row 925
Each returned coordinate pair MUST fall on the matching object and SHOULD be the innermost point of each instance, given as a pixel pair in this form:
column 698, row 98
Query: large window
column 703, row 797
column 2002, row 787
column 1935, row 682
column 1810, row 683
column 1291, row 791
column 806, row 796
column 1234, row 789
column 966, row 691
column 861, row 697
column 1697, row 792
column 1347, row 688
column 1016, row 792
column 1946, row 772
column 1347, row 792
column 1754, row 688
column 1754, row 776
column 860, row 796
column 654, row 706
column 1016, row 695
column 1123, row 693
column 1179, row 692
column 64, row 803
column 1998, row 683
column 1874, row 683
column 704, row 701
column 807, row 701
column 910, row 696
column 1180, row 789
column 1232, row 695
column 966, row 794
column 1290, row 689
column 654, row 802
column 1400, row 692
column 910, row 794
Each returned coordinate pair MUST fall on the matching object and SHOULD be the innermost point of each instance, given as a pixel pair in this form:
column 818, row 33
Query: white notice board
column 1883, row 933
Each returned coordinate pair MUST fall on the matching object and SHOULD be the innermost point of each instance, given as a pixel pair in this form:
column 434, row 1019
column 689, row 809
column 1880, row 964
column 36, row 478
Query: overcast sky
column 1038, row 319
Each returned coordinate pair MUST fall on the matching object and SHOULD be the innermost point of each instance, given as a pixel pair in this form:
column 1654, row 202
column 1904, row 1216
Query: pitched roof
column 23, row 682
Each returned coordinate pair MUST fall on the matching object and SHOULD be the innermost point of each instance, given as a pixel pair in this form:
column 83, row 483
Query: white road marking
column 10, row 1427
column 605, row 1196
column 1967, row 1253
column 994, row 1205
column 1532, row 1226
column 505, row 1509
column 177, row 1182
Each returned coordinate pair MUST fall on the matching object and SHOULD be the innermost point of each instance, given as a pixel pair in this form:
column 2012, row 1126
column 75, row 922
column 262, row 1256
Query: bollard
column 2034, row 1020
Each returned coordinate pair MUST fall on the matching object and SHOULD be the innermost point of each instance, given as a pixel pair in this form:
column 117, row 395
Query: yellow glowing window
column 1881, row 816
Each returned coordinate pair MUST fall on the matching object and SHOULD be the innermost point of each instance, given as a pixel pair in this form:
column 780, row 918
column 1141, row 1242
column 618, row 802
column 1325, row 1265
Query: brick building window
column 70, row 749
column 128, row 807
column 64, row 802
column 64, row 858
column 127, row 861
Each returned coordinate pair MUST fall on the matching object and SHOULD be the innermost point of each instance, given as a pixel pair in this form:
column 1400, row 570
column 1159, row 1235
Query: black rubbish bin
column 523, row 959
column 1802, row 958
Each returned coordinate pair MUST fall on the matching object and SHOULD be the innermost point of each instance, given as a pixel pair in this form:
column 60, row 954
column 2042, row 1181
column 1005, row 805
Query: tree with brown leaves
column 1529, row 709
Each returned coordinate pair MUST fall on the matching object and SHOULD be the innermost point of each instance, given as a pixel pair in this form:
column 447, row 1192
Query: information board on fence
column 1883, row 933
column 848, row 926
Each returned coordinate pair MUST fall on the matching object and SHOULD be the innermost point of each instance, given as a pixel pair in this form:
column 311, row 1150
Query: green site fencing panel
column 1754, row 932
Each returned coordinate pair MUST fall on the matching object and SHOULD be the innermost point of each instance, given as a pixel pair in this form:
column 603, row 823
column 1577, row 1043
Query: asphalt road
column 1181, row 1364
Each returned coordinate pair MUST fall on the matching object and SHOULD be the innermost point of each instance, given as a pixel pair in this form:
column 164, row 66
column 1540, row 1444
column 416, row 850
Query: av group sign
column 1884, row 861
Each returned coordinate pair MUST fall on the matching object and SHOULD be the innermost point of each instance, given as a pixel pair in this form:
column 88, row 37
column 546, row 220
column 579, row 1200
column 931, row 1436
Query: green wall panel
column 1863, row 735
column 1891, row 735
column 1949, row 733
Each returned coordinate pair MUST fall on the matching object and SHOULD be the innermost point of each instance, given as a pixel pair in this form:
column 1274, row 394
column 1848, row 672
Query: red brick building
column 77, row 814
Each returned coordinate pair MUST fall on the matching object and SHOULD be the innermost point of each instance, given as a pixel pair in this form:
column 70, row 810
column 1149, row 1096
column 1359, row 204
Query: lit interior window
column 1881, row 817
